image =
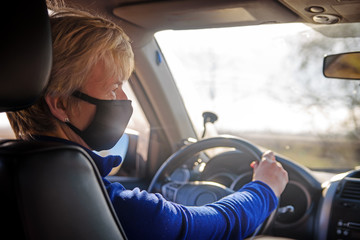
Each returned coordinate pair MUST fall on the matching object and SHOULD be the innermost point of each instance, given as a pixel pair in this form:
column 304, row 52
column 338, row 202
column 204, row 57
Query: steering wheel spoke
column 170, row 190
column 196, row 193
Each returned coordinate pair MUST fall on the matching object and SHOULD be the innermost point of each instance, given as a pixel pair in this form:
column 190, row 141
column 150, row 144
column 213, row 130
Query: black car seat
column 47, row 191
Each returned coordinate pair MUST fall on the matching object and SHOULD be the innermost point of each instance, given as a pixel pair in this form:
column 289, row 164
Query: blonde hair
column 80, row 40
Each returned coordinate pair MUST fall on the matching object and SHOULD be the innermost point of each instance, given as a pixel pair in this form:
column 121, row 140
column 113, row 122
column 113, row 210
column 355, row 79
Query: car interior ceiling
column 139, row 17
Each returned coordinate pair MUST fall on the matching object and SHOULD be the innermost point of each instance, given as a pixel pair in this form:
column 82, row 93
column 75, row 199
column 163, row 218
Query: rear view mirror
column 344, row 65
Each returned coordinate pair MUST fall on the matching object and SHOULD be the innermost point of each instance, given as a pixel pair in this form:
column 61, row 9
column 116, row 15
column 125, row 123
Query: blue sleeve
column 146, row 215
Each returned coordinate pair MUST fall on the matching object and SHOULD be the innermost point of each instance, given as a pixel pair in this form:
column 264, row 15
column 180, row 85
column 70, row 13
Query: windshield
column 266, row 85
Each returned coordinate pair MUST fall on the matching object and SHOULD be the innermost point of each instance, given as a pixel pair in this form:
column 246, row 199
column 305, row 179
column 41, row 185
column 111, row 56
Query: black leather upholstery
column 53, row 191
column 47, row 190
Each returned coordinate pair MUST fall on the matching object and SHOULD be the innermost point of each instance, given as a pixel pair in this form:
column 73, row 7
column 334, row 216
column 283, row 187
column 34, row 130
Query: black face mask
column 109, row 123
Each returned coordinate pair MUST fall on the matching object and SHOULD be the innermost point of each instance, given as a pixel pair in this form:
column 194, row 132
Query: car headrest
column 25, row 53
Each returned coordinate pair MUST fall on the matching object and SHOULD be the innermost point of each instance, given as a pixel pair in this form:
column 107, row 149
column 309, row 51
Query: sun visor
column 201, row 14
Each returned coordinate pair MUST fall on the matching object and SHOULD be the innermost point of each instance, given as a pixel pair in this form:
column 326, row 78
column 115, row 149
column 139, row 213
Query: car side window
column 6, row 131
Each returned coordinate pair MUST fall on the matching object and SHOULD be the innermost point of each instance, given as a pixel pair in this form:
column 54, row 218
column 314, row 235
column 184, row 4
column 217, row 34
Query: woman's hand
column 271, row 172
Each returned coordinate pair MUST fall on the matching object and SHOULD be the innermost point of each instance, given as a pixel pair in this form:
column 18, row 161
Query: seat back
column 47, row 190
column 53, row 191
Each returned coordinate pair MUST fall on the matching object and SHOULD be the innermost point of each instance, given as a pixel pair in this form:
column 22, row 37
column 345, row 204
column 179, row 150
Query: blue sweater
column 146, row 215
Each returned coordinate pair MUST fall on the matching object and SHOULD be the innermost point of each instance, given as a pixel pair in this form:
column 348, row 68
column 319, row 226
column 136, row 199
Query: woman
column 84, row 105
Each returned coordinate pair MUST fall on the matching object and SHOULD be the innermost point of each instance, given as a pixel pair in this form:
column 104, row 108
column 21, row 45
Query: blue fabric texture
column 146, row 215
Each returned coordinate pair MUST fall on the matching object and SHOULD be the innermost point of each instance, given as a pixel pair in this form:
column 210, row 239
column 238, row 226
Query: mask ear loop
column 87, row 98
column 75, row 129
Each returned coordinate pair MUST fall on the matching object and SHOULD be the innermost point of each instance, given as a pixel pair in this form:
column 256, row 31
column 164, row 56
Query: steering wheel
column 200, row 192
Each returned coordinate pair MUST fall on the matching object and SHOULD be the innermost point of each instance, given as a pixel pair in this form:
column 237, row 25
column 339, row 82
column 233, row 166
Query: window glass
column 266, row 85
column 5, row 129
column 138, row 123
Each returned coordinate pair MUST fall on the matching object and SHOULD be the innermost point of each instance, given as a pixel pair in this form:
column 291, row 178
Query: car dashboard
column 309, row 208
column 340, row 208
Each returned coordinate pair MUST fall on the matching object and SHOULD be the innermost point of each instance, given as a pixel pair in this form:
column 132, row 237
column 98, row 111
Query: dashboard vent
column 351, row 190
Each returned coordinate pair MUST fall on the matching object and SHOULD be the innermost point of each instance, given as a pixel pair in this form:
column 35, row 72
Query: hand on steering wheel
column 197, row 193
column 271, row 172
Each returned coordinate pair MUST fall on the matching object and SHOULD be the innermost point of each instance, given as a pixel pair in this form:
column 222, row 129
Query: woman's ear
column 57, row 107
